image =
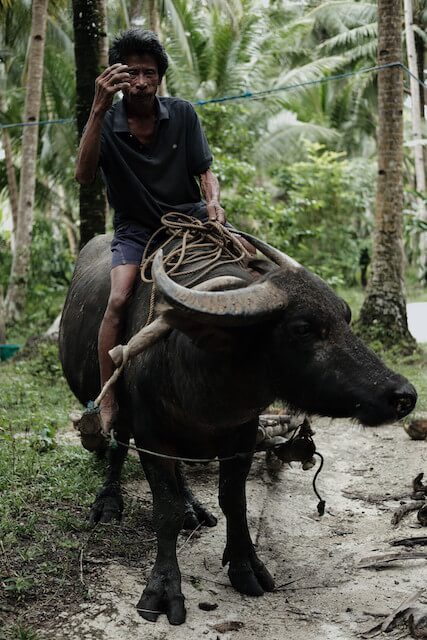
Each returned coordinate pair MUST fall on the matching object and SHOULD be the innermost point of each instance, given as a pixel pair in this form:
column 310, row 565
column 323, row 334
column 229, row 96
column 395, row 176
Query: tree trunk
column 2, row 318
column 12, row 184
column 21, row 259
column 383, row 314
column 420, row 176
column 155, row 25
column 89, row 36
column 421, row 54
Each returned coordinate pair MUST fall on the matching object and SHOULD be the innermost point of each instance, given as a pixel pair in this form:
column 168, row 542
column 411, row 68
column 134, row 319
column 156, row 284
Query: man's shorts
column 130, row 240
column 128, row 244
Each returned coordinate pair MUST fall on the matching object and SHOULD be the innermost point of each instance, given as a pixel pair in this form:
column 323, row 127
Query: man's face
column 144, row 77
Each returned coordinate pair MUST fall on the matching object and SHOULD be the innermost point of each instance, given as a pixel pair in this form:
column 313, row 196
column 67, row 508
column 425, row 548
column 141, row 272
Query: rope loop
column 202, row 246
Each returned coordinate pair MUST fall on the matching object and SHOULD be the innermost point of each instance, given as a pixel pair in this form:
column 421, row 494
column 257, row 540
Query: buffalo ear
column 208, row 338
column 347, row 311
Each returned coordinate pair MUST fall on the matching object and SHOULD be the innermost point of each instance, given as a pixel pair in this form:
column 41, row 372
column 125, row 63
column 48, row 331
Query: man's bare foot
column 108, row 411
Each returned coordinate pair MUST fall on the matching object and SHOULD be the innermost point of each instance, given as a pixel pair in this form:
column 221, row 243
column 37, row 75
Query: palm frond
column 284, row 135
column 336, row 16
column 421, row 31
column 349, row 38
column 310, row 72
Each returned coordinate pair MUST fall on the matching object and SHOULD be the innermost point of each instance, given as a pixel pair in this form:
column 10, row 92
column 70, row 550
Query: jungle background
column 297, row 163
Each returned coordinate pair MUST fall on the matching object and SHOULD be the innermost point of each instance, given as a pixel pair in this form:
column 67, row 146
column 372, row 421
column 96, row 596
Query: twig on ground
column 404, row 605
column 286, row 584
column 378, row 561
column 201, row 578
column 81, row 553
column 410, row 542
column 373, row 498
column 402, row 511
column 314, row 586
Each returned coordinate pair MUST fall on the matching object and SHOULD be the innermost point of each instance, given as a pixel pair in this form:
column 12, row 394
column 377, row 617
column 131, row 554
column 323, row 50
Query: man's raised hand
column 108, row 83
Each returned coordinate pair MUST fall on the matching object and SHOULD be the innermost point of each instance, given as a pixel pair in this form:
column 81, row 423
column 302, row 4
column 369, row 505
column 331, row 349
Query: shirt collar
column 120, row 123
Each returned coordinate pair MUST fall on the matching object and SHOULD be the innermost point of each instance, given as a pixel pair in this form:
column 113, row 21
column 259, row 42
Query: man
column 150, row 150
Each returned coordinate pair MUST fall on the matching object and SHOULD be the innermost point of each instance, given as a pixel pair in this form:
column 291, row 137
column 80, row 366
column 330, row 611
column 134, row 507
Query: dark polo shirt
column 146, row 181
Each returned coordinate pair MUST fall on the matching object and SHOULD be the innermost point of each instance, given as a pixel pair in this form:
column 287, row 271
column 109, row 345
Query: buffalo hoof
column 162, row 596
column 196, row 515
column 108, row 505
column 249, row 575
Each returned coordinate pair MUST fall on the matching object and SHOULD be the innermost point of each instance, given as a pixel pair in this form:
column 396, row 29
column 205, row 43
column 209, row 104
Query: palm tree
column 383, row 314
column 21, row 259
column 89, row 36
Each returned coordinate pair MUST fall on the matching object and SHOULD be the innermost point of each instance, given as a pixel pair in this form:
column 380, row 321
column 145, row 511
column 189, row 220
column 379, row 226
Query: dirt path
column 327, row 596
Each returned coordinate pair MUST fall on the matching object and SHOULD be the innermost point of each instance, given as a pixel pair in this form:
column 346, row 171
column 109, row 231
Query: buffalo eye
column 300, row 330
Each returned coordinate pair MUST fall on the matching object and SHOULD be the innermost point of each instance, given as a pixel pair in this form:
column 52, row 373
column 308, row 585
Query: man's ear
column 208, row 338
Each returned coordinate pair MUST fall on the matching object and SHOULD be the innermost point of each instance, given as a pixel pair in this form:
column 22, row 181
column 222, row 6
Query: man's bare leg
column 122, row 282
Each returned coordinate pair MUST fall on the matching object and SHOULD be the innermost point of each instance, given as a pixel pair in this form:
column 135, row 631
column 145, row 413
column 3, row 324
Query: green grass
column 46, row 489
column 34, row 395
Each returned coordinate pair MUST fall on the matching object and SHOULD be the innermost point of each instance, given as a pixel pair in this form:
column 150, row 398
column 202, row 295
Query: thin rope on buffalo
column 300, row 440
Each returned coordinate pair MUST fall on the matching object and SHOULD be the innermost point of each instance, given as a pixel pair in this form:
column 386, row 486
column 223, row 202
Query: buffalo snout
column 403, row 399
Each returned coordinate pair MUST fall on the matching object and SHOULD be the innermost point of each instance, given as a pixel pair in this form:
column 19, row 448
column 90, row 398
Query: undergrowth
column 47, row 483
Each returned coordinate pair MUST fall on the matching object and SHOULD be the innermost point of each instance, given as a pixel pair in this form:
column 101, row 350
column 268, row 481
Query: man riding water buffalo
column 150, row 150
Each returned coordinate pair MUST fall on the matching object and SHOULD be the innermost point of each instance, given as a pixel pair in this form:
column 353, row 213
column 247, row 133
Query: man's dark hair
column 138, row 42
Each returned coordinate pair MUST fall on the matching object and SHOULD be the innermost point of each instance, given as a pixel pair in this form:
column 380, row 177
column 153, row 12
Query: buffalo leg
column 163, row 591
column 108, row 503
column 246, row 571
column 195, row 514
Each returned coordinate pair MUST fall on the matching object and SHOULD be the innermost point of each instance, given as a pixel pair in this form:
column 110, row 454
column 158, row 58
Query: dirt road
column 322, row 593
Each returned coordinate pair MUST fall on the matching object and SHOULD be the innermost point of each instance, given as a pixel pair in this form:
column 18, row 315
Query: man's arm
column 209, row 186
column 112, row 80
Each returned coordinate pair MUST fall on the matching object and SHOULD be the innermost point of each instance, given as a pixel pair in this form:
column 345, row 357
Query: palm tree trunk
column 383, row 314
column 155, row 25
column 21, row 258
column 89, row 36
column 420, row 176
column 420, row 48
column 12, row 183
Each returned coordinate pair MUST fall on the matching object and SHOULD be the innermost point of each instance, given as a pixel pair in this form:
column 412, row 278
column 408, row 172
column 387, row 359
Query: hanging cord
column 322, row 503
column 301, row 447
column 114, row 443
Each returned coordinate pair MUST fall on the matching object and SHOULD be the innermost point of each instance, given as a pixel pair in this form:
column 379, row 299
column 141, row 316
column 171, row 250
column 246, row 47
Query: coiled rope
column 202, row 247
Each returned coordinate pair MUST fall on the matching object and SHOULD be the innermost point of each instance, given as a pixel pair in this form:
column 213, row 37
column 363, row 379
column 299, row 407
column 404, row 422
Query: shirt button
column 174, row 146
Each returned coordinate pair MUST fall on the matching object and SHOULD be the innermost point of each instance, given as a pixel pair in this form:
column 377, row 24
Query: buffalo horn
column 246, row 305
column 276, row 256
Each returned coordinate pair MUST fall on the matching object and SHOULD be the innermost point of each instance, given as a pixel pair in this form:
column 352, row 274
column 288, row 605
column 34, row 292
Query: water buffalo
column 199, row 390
